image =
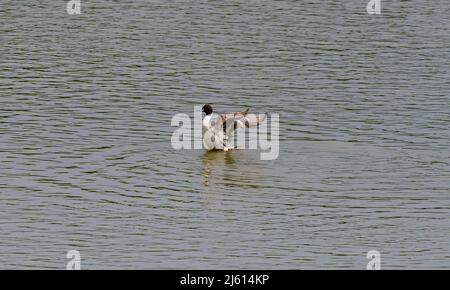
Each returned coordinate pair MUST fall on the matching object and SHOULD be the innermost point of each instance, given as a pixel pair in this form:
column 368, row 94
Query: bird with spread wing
column 219, row 128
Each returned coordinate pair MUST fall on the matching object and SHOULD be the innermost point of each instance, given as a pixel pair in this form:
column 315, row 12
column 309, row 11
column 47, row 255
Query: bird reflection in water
column 215, row 159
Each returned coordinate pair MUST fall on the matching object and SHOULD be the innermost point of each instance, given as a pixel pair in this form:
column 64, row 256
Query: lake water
column 86, row 161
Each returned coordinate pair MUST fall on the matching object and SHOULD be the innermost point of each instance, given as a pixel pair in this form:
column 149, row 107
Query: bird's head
column 207, row 109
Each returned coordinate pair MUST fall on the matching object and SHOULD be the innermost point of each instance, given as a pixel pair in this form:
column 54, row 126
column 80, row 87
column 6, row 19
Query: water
column 85, row 155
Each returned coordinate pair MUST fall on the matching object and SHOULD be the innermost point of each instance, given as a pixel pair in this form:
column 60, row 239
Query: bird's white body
column 213, row 136
column 206, row 122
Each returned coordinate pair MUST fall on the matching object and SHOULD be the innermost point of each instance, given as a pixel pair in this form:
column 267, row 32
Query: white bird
column 215, row 126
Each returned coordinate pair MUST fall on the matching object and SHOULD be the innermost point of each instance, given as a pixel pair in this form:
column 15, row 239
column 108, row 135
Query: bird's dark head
column 207, row 109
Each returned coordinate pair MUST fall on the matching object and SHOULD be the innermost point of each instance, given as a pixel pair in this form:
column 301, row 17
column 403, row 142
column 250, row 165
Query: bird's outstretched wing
column 250, row 120
column 221, row 127
column 233, row 115
column 243, row 119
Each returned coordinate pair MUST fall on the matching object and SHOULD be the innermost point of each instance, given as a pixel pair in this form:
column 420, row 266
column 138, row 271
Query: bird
column 215, row 126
